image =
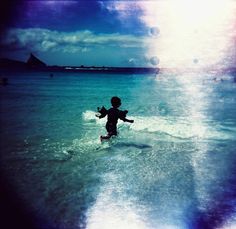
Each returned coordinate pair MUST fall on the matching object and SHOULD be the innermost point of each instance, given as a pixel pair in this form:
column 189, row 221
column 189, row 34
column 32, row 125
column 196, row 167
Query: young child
column 113, row 114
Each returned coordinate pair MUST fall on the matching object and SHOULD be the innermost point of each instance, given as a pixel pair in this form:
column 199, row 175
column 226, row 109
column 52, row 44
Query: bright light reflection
column 114, row 210
column 195, row 99
column 192, row 33
column 109, row 212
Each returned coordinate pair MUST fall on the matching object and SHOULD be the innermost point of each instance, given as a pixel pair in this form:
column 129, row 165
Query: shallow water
column 174, row 167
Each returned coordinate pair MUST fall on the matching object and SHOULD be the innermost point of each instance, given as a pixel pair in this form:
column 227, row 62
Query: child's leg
column 108, row 136
column 111, row 131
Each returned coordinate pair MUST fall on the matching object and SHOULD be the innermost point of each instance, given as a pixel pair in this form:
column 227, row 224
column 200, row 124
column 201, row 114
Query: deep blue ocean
column 173, row 168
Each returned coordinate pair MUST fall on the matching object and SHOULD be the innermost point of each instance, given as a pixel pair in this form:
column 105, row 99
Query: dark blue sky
column 78, row 32
column 74, row 15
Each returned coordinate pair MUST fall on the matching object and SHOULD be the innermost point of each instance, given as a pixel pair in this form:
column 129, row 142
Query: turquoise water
column 174, row 167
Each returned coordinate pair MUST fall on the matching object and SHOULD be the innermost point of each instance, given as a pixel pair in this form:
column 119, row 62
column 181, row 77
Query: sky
column 148, row 33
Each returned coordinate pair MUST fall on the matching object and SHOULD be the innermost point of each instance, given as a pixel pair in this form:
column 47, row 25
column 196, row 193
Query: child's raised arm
column 122, row 116
column 102, row 111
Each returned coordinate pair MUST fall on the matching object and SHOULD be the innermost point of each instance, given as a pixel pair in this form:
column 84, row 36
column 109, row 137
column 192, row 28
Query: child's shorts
column 111, row 129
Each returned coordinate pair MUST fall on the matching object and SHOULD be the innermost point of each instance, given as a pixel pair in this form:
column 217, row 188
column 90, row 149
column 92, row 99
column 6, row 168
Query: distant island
column 35, row 64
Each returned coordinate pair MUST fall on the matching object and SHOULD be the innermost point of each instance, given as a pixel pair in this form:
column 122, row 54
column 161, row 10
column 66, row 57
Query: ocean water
column 173, row 168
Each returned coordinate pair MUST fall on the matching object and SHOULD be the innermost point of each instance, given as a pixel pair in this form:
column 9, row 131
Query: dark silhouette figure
column 113, row 114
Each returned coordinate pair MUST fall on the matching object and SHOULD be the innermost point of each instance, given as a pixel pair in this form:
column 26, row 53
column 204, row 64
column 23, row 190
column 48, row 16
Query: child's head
column 115, row 101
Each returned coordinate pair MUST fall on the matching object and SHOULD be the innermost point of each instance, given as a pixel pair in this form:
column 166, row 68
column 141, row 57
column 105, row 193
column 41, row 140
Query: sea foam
column 176, row 127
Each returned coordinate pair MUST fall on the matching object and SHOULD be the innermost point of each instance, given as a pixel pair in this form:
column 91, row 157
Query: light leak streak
column 192, row 33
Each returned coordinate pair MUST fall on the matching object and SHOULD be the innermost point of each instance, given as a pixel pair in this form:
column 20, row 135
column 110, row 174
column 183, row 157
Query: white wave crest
column 173, row 126
column 89, row 115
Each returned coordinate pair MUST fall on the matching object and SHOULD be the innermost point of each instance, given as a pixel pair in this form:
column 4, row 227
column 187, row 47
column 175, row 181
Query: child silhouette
column 113, row 114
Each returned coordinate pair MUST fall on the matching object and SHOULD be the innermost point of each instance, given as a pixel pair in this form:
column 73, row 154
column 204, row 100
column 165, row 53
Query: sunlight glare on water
column 109, row 213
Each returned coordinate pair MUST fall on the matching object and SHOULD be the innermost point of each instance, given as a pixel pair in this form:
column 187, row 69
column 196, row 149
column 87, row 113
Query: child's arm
column 123, row 116
column 102, row 111
column 128, row 120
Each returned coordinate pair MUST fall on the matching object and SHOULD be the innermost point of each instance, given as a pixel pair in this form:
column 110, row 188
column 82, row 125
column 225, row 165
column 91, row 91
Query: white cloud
column 38, row 39
column 125, row 9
